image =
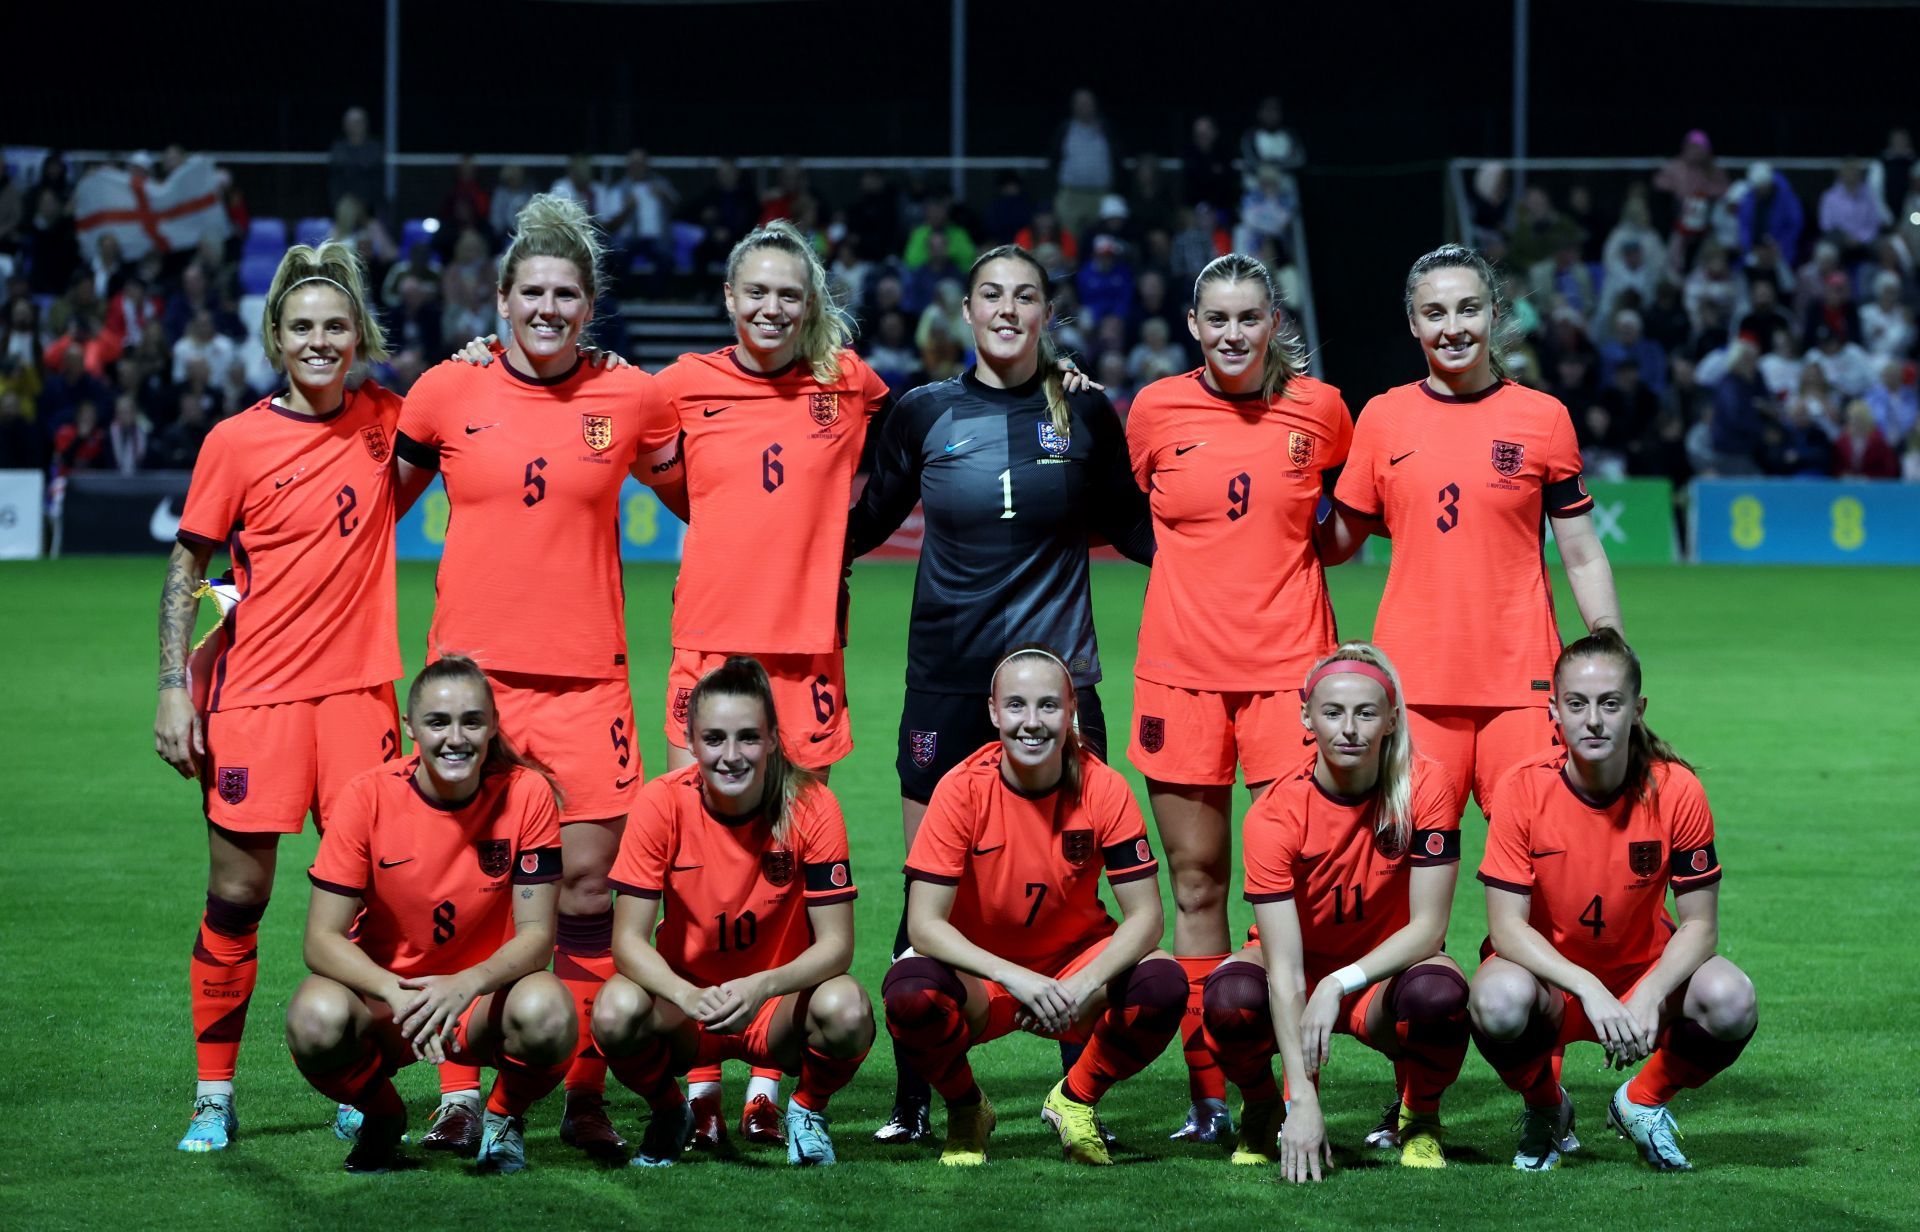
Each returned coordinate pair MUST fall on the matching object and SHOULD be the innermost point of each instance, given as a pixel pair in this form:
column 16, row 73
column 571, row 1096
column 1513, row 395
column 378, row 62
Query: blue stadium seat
column 267, row 233
column 311, row 231
column 417, row 231
column 256, row 271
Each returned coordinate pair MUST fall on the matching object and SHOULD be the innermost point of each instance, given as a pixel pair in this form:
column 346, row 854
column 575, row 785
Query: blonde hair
column 336, row 265
column 1051, row 379
column 553, row 226
column 1393, row 818
column 1071, row 746
column 1286, row 355
column 782, row 783
column 826, row 329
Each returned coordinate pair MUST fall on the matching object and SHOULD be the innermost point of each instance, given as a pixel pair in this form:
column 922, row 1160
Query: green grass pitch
column 1793, row 690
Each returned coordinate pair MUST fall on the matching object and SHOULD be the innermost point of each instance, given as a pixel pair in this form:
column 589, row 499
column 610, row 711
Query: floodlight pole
column 1519, row 102
column 957, row 99
column 392, row 121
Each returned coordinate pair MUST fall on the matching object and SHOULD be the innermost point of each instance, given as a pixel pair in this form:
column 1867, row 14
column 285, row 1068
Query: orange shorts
column 581, row 730
column 1196, row 737
column 267, row 767
column 809, row 698
column 1003, row 1006
column 751, row 1045
column 1476, row 745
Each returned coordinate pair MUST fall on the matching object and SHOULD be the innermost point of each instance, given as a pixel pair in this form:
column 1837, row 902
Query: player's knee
column 1726, row 995
column 842, row 1014
column 1500, row 1006
column 540, row 1019
column 919, row 990
column 1234, row 1003
column 1199, row 891
column 318, row 1022
column 1428, row 994
column 1155, row 989
column 620, row 1011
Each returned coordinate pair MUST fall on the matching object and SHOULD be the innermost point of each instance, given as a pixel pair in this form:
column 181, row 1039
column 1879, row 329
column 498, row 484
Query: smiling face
column 452, row 723
column 318, row 338
column 1453, row 321
column 1350, row 719
column 767, row 299
column 730, row 740
column 547, row 307
column 1595, row 706
column 1232, row 322
column 1032, row 709
column 1008, row 310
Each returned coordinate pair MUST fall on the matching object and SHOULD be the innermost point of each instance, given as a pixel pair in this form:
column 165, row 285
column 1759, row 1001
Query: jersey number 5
column 535, row 482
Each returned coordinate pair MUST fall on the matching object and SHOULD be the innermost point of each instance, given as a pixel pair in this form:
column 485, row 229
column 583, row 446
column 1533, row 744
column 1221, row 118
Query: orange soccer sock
column 455, row 1077
column 648, row 1073
column 221, row 975
column 1204, row 1077
column 519, row 1086
column 366, row 1082
column 1688, row 1057
column 583, row 959
column 1239, row 1025
column 822, row 1075
column 1143, row 1015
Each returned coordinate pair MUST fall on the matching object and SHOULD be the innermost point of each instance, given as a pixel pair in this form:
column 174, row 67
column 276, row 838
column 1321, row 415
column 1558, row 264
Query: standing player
column 1350, row 868
column 1579, row 858
column 1015, row 473
column 1007, row 925
column 1231, row 456
column 772, row 430
column 1459, row 469
column 745, row 855
column 298, row 491
column 431, row 925
column 533, row 451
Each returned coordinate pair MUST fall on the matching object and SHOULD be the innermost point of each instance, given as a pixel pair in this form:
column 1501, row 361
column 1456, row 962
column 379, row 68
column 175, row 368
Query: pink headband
column 1341, row 667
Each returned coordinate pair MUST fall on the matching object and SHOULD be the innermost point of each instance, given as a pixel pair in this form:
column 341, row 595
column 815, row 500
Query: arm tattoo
column 178, row 606
column 526, row 894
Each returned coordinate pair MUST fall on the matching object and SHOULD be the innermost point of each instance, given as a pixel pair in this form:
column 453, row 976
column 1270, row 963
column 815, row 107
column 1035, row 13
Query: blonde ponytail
column 826, row 329
column 336, row 265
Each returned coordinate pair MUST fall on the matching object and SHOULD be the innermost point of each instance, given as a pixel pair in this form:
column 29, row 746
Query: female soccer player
column 431, row 925
column 1579, row 859
column 1015, row 467
column 298, row 694
column 1007, row 925
column 533, row 451
column 1458, row 470
column 746, row 855
column 1350, row 868
column 1232, row 456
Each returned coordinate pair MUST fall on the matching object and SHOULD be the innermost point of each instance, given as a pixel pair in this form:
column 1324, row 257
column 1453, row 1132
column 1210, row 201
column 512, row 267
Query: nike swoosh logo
column 981, row 851
column 1182, row 449
column 683, row 868
column 281, row 483
column 1541, row 854
column 711, row 411
column 482, row 428
column 395, row 863
column 221, row 983
column 953, row 445
column 817, row 737
column 1402, row 458
column 164, row 525
column 623, row 784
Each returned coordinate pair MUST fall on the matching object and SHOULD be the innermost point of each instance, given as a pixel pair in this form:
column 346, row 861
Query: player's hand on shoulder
column 178, row 735
column 1075, row 381
column 477, row 351
column 597, row 358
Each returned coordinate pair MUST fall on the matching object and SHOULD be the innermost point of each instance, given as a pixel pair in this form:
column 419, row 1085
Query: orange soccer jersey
column 303, row 506
column 435, row 877
column 1462, row 485
column 1597, row 871
column 530, row 580
column 770, row 464
column 734, row 902
column 1304, row 843
column 1028, row 868
column 1237, row 600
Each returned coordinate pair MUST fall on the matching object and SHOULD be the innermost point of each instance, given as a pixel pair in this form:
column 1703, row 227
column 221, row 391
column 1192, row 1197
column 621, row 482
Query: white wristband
column 1351, row 979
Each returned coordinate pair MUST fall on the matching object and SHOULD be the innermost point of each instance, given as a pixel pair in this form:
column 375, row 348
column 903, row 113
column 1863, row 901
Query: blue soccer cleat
column 1650, row 1128
column 213, row 1127
column 346, row 1122
column 1545, row 1136
column 807, row 1139
column 667, row 1137
column 503, row 1144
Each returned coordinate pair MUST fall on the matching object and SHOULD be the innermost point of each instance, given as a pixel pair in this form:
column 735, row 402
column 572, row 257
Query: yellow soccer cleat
column 968, row 1128
column 1078, row 1125
column 1420, row 1139
column 1258, row 1141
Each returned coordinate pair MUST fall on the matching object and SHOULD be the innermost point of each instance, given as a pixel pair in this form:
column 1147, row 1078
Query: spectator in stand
column 1796, row 446
column 1266, row 214
column 1896, row 168
column 850, row 270
column 1712, row 333
column 1564, row 280
column 1110, row 370
column 1105, row 284
column 1686, row 401
column 1156, row 354
column 204, row 343
column 1631, row 347
column 1851, row 213
column 419, row 266
column 891, row 353
column 25, row 341
column 1895, row 402
column 133, row 311
column 1268, row 140
column 1659, row 451
column 1823, row 405
column 465, row 190
column 1764, row 316
column 21, row 378
column 1850, row 369
column 1199, row 240
column 81, row 444
column 1206, row 169
column 644, row 202
column 1742, row 408
column 782, row 198
column 1488, row 196
column 1886, row 324
column 939, row 218
column 1566, row 337
column 19, row 438
column 1783, row 368
column 1810, row 281
column 70, row 385
column 1666, row 320
column 1046, row 229
column 874, row 215
column 1154, row 302
column 508, row 196
column 1151, row 202
column 467, row 306
column 106, row 267
column 1771, row 207
column 1694, row 181
column 356, row 166
column 1540, row 231
column 81, row 300
column 1010, row 211
column 918, row 286
column 1112, row 224
column 941, row 358
column 1634, row 261
column 945, row 314
column 1863, row 450
column 1582, row 212
column 353, row 225
column 1713, row 279
column 127, row 436
column 178, row 444
column 52, row 253
column 414, row 323
column 13, row 209
column 1618, row 415
column 98, row 351
column 1086, row 162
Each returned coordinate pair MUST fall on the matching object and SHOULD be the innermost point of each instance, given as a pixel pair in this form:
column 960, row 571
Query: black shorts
column 937, row 730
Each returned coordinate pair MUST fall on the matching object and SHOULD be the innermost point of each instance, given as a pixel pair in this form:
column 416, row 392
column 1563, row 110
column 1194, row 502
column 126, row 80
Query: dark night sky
column 1381, row 93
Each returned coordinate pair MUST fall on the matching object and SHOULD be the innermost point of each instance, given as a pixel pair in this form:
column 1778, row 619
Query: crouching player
column 1007, row 926
column 1579, row 858
column 746, row 853
column 432, row 918
column 1350, row 868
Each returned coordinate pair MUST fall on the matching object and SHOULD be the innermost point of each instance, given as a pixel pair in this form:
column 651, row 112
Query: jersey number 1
column 1006, row 494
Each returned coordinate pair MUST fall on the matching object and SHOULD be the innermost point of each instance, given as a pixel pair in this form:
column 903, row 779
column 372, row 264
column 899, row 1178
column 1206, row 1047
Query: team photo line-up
column 516, row 894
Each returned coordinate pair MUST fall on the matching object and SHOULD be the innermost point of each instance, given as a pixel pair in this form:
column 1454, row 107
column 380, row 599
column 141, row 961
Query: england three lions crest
column 777, row 867
column 375, row 439
column 1299, row 450
column 597, row 430
column 825, row 409
column 1055, row 443
column 1508, row 458
column 921, row 744
column 495, row 856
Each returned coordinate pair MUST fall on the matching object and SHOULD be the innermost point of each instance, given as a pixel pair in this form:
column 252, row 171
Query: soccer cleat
column 503, row 1144
column 909, row 1125
column 455, row 1127
column 807, row 1140
column 666, row 1139
column 214, row 1125
column 1258, row 1141
column 709, row 1127
column 1207, row 1121
column 1386, row 1135
column 584, row 1125
column 760, row 1123
column 346, row 1122
column 378, row 1146
column 1078, row 1125
column 1545, row 1136
column 1420, row 1140
column 1650, row 1127
column 968, row 1128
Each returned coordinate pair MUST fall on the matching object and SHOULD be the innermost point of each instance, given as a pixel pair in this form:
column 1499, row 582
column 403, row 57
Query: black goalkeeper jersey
column 1009, row 506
